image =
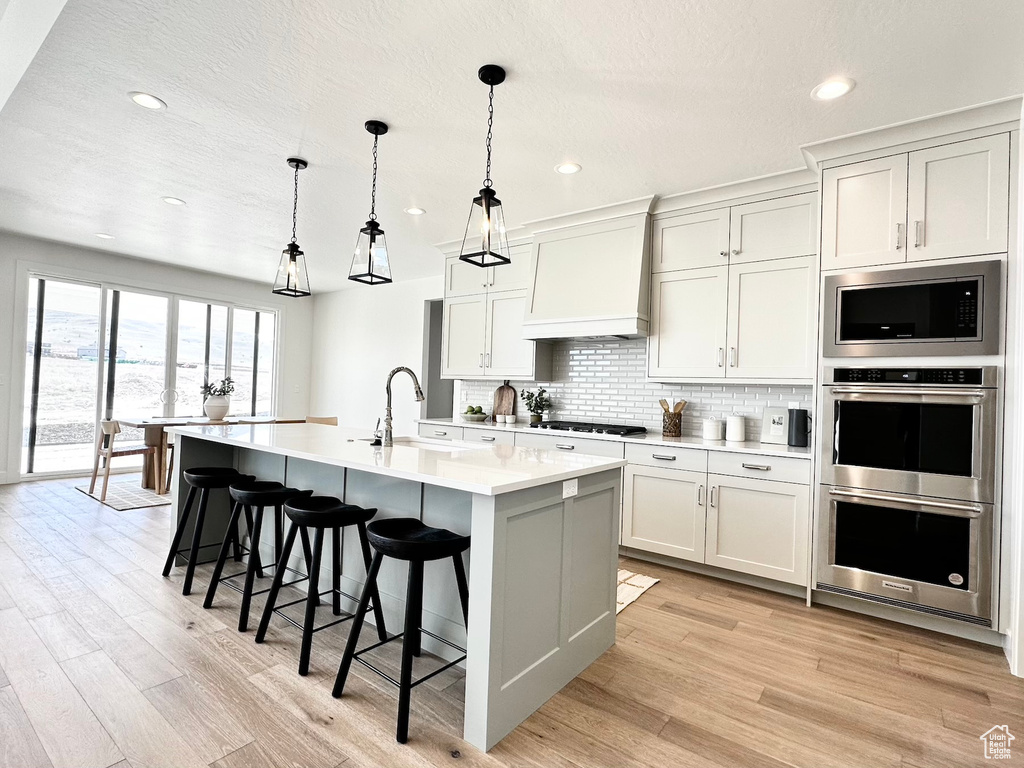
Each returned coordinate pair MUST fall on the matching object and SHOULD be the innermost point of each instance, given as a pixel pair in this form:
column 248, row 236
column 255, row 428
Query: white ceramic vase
column 216, row 407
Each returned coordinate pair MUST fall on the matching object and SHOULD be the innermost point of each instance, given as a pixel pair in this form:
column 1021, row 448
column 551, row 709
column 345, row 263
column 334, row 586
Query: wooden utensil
column 504, row 400
column 679, row 406
column 664, row 404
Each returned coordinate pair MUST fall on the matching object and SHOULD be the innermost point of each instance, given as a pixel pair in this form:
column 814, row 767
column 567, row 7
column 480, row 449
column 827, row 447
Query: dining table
column 154, row 474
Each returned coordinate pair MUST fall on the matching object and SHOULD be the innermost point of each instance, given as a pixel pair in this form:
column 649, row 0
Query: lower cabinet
column 758, row 527
column 663, row 511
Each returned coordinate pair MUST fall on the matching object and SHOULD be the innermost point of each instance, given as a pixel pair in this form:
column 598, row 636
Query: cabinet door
column 772, row 311
column 663, row 511
column 514, row 276
column 507, row 354
column 774, row 229
column 864, row 213
column 691, row 241
column 463, row 279
column 462, row 344
column 688, row 314
column 758, row 527
column 958, row 199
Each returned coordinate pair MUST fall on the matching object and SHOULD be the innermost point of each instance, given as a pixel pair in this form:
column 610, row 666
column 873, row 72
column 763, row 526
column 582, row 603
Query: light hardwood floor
column 104, row 663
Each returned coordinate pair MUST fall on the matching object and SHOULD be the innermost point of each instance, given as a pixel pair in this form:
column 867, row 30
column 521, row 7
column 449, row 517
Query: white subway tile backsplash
column 607, row 381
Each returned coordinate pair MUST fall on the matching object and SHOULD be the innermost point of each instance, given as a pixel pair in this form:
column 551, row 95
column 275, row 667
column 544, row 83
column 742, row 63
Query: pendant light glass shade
column 292, row 279
column 485, row 243
column 370, row 263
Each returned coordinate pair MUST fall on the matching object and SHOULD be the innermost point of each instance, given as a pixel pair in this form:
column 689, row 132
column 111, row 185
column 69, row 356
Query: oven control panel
column 966, row 376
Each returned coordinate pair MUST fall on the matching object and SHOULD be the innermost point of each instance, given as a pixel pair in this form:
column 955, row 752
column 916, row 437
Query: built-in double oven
column 909, row 486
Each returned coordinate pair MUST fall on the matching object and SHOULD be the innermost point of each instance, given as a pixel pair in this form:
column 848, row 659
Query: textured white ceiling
column 651, row 97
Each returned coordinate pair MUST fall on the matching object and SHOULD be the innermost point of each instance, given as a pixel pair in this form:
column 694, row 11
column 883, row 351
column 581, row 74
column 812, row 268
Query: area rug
column 126, row 494
column 631, row 586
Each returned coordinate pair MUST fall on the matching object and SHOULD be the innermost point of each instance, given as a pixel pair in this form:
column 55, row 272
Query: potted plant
column 537, row 403
column 217, row 402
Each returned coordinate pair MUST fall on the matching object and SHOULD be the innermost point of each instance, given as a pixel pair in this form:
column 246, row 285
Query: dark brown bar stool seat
column 203, row 480
column 405, row 538
column 320, row 513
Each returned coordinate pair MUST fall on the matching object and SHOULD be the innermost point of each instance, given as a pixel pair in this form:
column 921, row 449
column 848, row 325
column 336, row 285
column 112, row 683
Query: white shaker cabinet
column 758, row 527
column 688, row 316
column 863, row 213
column 663, row 511
column 773, row 229
column 462, row 343
column 958, row 199
column 771, row 326
column 506, row 352
column 690, row 241
column 463, row 279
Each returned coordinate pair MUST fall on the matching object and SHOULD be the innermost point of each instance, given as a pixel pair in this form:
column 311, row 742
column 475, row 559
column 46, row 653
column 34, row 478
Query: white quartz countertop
column 651, row 438
column 471, row 467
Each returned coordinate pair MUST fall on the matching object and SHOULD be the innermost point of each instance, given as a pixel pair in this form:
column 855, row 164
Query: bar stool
column 321, row 513
column 203, row 479
column 406, row 538
column 247, row 495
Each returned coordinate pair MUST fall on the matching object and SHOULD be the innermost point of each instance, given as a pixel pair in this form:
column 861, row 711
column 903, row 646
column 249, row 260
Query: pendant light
column 292, row 279
column 485, row 243
column 370, row 263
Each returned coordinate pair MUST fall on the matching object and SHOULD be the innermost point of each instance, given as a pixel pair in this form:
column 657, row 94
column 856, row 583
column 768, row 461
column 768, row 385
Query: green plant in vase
column 218, row 402
column 537, row 403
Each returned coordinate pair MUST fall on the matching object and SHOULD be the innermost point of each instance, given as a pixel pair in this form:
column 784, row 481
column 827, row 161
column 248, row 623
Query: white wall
column 19, row 255
column 360, row 334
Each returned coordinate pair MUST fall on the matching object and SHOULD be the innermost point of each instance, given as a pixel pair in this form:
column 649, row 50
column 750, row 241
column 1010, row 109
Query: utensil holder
column 671, row 424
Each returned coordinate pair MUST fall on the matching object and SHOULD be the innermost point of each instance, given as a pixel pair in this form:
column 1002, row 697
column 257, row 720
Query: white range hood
column 590, row 274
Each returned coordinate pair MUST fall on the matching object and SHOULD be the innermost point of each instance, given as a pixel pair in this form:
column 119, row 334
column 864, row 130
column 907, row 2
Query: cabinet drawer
column 440, row 432
column 489, row 436
column 583, row 445
column 667, row 457
column 760, row 467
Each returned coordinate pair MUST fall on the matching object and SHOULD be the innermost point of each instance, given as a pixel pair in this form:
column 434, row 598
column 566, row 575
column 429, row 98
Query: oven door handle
column 897, row 391
column 966, row 510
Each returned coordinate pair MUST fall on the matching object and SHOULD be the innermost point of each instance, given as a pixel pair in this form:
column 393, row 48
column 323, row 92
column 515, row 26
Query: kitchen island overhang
column 542, row 565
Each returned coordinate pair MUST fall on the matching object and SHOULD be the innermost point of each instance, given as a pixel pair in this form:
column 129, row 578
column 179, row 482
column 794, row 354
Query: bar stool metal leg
column 357, row 625
column 275, row 585
column 312, row 601
column 413, row 612
column 197, row 535
column 180, row 530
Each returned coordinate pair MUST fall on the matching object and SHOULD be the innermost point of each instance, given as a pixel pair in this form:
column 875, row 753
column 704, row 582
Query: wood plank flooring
column 104, row 663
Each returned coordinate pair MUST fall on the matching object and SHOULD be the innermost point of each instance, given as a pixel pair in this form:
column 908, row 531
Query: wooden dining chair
column 331, row 421
column 106, row 450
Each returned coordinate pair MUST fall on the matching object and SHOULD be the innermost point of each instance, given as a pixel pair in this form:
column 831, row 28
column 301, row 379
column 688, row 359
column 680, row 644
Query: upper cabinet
column 690, row 241
column 462, row 279
column 937, row 203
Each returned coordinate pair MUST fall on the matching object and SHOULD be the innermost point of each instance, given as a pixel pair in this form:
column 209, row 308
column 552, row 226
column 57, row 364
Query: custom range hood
column 590, row 274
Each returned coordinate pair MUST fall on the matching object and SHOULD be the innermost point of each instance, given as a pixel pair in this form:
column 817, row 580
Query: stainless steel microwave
column 937, row 310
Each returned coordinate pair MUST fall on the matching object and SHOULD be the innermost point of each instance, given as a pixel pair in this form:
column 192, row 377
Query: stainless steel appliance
column 923, row 431
column 951, row 309
column 620, row 430
column 909, row 488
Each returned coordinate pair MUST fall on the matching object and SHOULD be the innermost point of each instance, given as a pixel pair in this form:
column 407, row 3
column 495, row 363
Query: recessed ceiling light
column 568, row 168
column 173, row 200
column 832, row 88
column 414, row 211
column 104, row 236
column 147, row 100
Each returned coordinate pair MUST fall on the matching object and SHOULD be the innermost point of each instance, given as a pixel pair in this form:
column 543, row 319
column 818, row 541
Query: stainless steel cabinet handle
column 663, row 457
column 486, row 439
column 917, row 233
column 700, row 495
column 921, row 391
column 732, row 357
column 899, row 236
column 721, row 356
column 439, row 433
column 713, row 489
column 565, row 447
column 970, row 509
column 481, row 359
column 735, row 252
column 487, row 360
column 723, row 253
column 761, row 467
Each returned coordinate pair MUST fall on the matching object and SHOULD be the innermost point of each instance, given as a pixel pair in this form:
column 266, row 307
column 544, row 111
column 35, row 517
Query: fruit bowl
column 474, row 417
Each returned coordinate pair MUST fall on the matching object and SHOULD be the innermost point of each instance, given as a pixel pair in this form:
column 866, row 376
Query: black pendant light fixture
column 292, row 279
column 370, row 264
column 485, row 243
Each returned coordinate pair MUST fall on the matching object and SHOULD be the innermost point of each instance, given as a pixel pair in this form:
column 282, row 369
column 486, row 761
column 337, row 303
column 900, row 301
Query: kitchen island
column 543, row 560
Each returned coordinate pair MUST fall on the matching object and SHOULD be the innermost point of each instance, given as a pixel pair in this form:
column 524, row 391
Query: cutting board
column 504, row 400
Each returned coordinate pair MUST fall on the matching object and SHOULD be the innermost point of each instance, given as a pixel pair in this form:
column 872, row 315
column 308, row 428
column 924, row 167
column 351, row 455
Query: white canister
column 713, row 429
column 499, row 419
column 510, row 418
column 735, row 429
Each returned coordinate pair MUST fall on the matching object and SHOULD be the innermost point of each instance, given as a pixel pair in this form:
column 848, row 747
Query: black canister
column 799, row 427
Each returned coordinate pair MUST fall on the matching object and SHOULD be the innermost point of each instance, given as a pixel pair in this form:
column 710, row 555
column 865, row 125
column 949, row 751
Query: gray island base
column 542, row 565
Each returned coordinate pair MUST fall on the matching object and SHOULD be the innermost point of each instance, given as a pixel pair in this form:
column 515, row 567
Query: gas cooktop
column 619, row 430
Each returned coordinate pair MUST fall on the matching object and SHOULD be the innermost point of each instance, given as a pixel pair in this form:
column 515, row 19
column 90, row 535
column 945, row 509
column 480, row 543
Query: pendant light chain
column 295, row 203
column 490, row 124
column 373, row 189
